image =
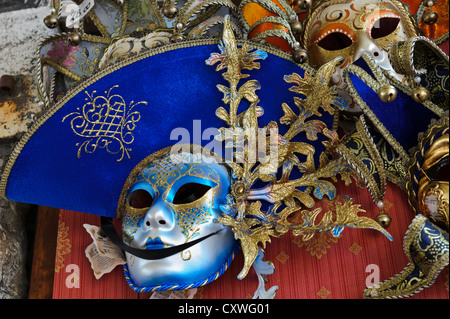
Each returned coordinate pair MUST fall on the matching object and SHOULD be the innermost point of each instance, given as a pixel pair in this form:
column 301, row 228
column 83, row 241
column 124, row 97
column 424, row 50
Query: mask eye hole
column 335, row 41
column 383, row 27
column 140, row 198
column 440, row 171
column 189, row 193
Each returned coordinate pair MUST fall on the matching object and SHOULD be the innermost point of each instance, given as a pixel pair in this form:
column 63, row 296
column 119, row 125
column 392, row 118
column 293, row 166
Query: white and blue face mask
column 173, row 201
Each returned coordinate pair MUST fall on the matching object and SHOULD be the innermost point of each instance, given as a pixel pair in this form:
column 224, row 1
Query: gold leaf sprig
column 318, row 94
column 251, row 225
column 235, row 59
column 344, row 215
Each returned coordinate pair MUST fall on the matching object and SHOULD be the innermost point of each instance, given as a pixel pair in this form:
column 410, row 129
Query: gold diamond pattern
column 282, row 257
column 355, row 248
column 323, row 293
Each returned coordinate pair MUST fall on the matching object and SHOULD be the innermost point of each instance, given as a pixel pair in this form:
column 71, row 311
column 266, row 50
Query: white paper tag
column 103, row 255
column 174, row 294
column 101, row 264
column 76, row 12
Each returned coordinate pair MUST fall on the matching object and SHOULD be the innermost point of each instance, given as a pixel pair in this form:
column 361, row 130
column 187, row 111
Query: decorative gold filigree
column 251, row 225
column 318, row 245
column 345, row 214
column 105, row 122
column 63, row 245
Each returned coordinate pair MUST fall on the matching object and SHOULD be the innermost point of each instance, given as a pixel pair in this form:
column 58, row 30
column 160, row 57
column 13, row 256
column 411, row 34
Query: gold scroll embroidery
column 105, row 122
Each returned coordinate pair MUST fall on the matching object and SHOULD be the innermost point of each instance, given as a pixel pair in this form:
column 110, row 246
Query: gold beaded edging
column 375, row 155
column 376, row 190
column 216, row 275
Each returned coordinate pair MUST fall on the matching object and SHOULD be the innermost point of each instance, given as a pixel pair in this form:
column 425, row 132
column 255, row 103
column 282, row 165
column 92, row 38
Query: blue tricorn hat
column 79, row 153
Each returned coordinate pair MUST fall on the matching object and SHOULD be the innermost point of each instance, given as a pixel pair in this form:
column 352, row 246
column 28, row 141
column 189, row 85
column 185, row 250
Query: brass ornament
column 74, row 38
column 296, row 27
column 170, row 11
column 420, row 94
column 176, row 37
column 300, row 56
column 383, row 219
column 239, row 190
column 429, row 17
column 304, row 4
column 387, row 93
column 51, row 21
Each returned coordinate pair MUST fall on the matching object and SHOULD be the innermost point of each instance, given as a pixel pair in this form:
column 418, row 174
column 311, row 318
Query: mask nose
column 160, row 217
column 366, row 45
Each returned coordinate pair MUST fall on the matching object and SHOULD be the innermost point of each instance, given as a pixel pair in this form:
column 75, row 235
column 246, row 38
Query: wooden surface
column 43, row 267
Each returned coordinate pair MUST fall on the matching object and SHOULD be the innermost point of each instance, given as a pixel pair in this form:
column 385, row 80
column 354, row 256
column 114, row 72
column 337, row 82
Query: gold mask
column 433, row 191
column 350, row 28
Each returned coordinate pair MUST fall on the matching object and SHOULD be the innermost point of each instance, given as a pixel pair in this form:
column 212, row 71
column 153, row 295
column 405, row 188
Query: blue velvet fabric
column 178, row 87
column 403, row 118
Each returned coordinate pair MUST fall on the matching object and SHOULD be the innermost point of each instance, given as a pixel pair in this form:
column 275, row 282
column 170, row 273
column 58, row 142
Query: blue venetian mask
column 173, row 199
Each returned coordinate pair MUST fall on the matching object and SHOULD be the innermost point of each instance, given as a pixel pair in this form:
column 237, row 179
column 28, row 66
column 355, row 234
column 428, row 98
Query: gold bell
column 176, row 37
column 304, row 4
column 387, row 93
column 429, row 17
column 74, row 38
column 300, row 55
column 296, row 27
column 383, row 219
column 170, row 11
column 420, row 94
column 240, row 189
column 51, row 21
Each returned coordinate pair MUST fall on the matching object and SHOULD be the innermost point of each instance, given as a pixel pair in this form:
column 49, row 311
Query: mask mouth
column 153, row 252
column 156, row 243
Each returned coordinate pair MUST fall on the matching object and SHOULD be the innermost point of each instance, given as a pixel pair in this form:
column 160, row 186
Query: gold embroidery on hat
column 105, row 122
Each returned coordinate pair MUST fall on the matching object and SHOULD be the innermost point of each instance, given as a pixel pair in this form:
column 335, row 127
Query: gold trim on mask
column 438, row 151
column 407, row 19
column 434, row 191
column 337, row 21
column 420, row 186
